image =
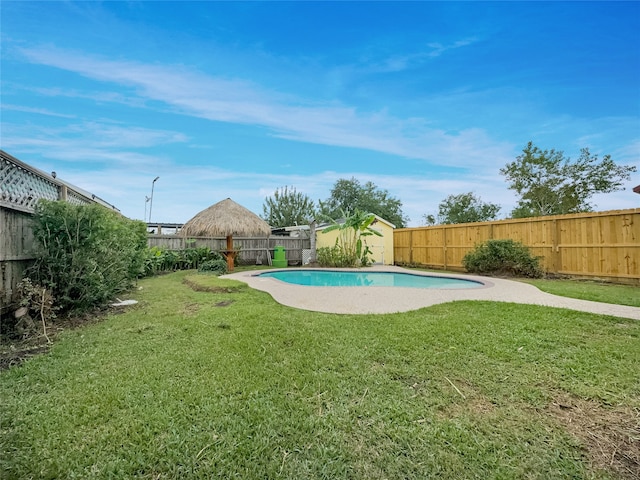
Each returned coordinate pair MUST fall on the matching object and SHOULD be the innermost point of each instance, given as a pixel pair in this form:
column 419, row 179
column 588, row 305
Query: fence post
column 444, row 247
column 411, row 247
column 63, row 193
column 312, row 240
column 556, row 255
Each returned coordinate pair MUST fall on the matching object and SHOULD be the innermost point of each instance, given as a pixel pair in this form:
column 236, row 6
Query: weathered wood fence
column 21, row 186
column 251, row 250
column 16, row 252
column 604, row 245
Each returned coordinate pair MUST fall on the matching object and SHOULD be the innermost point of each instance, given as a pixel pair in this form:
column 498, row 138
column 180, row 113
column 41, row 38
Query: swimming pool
column 335, row 278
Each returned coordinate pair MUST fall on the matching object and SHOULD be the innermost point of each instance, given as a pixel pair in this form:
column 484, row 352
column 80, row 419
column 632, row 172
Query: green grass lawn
column 591, row 290
column 578, row 288
column 212, row 379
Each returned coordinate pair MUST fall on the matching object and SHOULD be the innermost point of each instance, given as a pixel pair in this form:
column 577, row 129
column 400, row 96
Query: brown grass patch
column 223, row 303
column 202, row 288
column 610, row 435
column 190, row 309
column 478, row 406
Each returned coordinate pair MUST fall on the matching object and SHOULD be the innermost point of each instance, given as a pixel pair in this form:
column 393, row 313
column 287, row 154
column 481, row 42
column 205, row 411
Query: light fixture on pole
column 146, row 200
column 151, row 204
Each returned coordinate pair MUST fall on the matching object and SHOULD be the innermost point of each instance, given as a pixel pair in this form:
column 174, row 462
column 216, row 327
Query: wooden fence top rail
column 549, row 218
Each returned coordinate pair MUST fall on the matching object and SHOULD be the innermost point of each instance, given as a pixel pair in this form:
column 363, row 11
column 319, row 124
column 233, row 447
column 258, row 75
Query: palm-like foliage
column 355, row 226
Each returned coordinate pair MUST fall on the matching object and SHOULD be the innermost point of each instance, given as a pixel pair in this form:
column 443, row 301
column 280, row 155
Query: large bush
column 87, row 254
column 502, row 257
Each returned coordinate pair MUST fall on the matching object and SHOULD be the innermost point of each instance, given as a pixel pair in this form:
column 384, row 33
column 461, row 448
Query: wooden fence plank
column 16, row 252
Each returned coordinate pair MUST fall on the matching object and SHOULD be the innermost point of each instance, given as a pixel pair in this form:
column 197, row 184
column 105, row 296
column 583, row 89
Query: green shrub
column 194, row 256
column 217, row 266
column 86, row 254
column 503, row 257
column 153, row 261
column 158, row 259
column 335, row 257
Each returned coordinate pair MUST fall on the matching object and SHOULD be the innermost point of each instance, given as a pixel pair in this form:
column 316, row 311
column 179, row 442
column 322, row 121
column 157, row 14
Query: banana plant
column 351, row 231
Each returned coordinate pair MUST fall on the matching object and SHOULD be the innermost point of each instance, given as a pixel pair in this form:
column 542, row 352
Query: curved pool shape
column 334, row 278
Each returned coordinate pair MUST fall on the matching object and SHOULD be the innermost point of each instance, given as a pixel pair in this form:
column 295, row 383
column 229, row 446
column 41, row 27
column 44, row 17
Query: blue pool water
column 334, row 278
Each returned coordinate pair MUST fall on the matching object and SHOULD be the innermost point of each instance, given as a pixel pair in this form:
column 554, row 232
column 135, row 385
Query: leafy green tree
column 551, row 184
column 352, row 228
column 349, row 195
column 288, row 207
column 463, row 208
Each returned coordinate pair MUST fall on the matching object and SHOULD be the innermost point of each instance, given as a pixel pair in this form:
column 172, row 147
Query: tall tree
column 463, row 208
column 550, row 184
column 349, row 195
column 288, row 207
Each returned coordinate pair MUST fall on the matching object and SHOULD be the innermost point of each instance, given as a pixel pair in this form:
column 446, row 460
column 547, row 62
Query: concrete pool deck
column 360, row 300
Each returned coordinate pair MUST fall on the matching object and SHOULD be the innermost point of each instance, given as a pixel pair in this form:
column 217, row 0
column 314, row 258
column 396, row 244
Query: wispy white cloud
column 184, row 191
column 98, row 97
column 437, row 49
column 407, row 60
column 240, row 101
column 91, row 142
column 67, row 92
column 181, row 193
column 40, row 111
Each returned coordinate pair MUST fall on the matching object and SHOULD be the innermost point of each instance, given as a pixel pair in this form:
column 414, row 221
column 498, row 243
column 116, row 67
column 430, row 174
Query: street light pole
column 146, row 200
column 151, row 204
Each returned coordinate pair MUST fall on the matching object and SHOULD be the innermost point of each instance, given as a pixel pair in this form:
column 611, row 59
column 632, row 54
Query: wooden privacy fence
column 602, row 245
column 21, row 186
column 251, row 250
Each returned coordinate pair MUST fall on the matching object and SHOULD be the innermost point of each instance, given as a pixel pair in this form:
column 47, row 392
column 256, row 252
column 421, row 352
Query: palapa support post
column 230, row 253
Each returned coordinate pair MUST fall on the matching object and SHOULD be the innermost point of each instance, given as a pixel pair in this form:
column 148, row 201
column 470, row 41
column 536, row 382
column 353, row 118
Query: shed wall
column 381, row 247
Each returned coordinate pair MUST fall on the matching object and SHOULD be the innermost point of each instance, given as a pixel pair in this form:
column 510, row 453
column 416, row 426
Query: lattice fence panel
column 21, row 188
column 76, row 199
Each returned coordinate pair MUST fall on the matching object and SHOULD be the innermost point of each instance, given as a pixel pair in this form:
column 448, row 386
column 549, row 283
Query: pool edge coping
column 482, row 281
column 383, row 300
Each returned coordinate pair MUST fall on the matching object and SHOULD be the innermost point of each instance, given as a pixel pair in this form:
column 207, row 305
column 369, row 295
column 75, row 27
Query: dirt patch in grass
column 223, row 303
column 610, row 435
column 14, row 349
column 190, row 309
column 16, row 354
column 477, row 407
column 204, row 288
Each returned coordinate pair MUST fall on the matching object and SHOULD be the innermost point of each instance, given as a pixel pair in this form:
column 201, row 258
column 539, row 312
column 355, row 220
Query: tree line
column 546, row 182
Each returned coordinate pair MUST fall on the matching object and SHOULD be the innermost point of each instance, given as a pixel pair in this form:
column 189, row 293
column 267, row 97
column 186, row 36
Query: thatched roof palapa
column 224, row 219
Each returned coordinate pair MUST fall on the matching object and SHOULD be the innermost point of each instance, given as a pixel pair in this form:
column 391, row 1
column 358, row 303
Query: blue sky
column 237, row 99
